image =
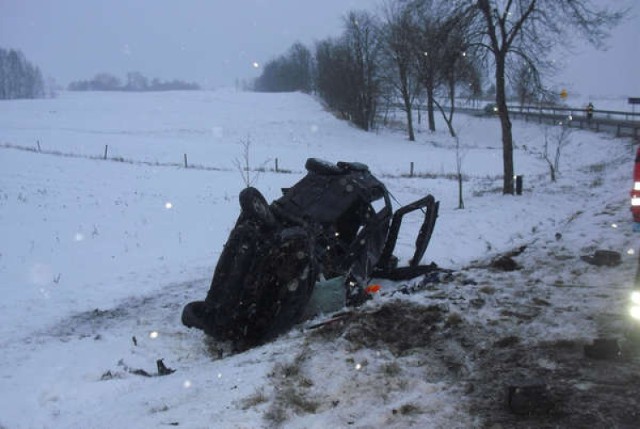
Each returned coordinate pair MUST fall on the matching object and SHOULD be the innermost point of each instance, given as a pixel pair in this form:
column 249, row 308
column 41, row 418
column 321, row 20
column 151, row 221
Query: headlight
column 635, row 297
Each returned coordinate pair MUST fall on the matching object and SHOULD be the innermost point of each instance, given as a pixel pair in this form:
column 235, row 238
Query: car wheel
column 323, row 167
column 193, row 315
column 255, row 206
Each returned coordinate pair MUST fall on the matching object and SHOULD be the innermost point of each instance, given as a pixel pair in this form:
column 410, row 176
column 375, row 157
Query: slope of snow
column 95, row 253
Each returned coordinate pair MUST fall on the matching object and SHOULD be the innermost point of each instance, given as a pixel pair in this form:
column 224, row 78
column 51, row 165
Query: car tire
column 255, row 206
column 193, row 315
column 325, row 168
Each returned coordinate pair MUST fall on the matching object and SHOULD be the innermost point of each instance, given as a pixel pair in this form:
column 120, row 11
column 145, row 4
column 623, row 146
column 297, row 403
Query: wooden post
column 519, row 185
column 38, row 142
column 411, row 170
column 106, row 149
column 277, row 170
column 186, row 165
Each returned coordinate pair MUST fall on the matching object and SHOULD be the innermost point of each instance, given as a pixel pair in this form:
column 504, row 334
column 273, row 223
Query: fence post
column 519, row 184
column 106, row 149
column 411, row 170
column 186, row 165
column 277, row 170
column 38, row 142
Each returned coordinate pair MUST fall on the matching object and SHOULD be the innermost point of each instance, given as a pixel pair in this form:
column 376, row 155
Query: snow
column 95, row 253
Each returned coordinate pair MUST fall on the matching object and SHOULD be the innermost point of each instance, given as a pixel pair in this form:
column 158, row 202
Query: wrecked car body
column 326, row 226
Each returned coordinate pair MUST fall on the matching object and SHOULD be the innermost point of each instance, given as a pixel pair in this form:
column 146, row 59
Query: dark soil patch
column 397, row 326
column 579, row 392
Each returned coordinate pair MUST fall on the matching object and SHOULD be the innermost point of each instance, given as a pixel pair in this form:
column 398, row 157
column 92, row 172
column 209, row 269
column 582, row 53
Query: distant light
column 168, row 205
column 219, row 375
column 631, row 252
column 256, row 65
column 464, row 54
column 358, row 367
column 570, row 117
column 153, row 335
column 186, row 384
column 426, row 54
column 614, row 225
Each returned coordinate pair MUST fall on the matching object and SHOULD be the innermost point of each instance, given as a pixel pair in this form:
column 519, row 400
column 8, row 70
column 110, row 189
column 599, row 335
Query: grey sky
column 213, row 42
column 208, row 41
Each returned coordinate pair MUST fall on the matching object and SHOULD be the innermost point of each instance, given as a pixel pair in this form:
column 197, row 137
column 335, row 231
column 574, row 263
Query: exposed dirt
column 570, row 389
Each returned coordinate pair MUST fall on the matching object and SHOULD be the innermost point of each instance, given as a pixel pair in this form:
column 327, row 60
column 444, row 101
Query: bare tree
column 18, row 77
column 287, row 73
column 361, row 37
column 459, row 159
column 457, row 62
column 529, row 29
column 555, row 140
column 397, row 36
column 526, row 84
column 427, row 50
column 243, row 164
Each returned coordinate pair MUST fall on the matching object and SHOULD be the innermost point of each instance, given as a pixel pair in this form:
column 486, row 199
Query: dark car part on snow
column 323, row 227
column 600, row 258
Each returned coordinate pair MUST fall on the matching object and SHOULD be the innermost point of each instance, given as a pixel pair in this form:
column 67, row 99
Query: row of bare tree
column 18, row 77
column 431, row 50
column 135, row 81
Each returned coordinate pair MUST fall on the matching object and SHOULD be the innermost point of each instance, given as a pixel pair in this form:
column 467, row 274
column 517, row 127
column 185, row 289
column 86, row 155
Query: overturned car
column 326, row 226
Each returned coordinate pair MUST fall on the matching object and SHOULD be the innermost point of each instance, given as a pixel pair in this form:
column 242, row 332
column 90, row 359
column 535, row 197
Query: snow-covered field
column 98, row 257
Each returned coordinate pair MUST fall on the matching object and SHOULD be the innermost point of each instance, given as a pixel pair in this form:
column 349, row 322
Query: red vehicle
column 635, row 194
column 635, row 210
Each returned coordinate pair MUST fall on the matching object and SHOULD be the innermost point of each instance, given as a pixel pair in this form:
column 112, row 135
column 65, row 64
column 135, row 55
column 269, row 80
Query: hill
column 99, row 256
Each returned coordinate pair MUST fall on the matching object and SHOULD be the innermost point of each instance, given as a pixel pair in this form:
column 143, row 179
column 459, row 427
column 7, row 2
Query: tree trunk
column 409, row 111
column 505, row 122
column 430, row 115
column 460, row 200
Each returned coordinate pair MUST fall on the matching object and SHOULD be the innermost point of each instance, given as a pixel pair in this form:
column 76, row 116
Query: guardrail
column 621, row 124
column 571, row 111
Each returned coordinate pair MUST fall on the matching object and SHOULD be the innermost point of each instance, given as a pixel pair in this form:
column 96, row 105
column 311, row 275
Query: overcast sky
column 214, row 42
